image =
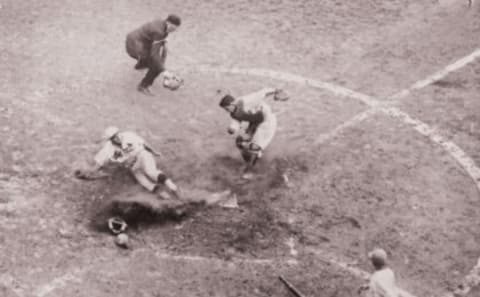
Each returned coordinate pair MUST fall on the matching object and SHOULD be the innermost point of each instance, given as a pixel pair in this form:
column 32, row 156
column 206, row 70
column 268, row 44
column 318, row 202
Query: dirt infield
column 374, row 182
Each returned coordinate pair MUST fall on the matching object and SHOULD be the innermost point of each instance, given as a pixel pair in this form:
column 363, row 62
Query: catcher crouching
column 252, row 112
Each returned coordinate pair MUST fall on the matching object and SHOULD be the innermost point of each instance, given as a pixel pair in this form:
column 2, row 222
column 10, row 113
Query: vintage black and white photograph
column 234, row 148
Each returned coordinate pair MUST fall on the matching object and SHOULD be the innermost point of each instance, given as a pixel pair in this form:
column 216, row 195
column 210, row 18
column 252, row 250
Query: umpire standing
column 147, row 45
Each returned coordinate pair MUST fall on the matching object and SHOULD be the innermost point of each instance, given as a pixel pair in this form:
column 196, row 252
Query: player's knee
column 161, row 178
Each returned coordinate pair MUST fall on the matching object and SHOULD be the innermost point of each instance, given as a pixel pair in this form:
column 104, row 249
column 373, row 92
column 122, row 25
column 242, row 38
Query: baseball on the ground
column 122, row 239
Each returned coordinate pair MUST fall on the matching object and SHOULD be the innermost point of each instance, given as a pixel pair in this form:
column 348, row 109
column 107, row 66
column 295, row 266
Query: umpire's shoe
column 145, row 90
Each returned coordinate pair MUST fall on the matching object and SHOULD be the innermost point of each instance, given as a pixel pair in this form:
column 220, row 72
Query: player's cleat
column 144, row 90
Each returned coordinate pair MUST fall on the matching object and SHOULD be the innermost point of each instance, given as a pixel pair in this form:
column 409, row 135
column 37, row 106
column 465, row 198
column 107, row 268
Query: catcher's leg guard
column 161, row 178
column 246, row 155
column 255, row 153
column 241, row 142
column 251, row 154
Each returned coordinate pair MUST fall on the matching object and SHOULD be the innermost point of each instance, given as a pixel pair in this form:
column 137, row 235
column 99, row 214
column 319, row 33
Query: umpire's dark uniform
column 146, row 45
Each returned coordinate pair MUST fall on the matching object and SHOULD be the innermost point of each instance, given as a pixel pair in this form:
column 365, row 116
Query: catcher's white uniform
column 132, row 154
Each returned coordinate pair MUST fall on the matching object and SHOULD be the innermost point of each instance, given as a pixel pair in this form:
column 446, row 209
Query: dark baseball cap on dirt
column 174, row 19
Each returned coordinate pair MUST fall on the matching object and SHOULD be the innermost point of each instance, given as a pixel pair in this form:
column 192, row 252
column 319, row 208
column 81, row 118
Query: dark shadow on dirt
column 138, row 215
column 119, row 195
column 256, row 228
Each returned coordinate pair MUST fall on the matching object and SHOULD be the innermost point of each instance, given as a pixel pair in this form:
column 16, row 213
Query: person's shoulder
column 158, row 23
column 131, row 136
column 107, row 144
column 385, row 273
column 240, row 102
column 388, row 271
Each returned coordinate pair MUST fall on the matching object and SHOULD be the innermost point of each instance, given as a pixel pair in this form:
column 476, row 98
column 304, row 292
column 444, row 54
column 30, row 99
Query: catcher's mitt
column 172, row 81
column 117, row 225
column 280, row 95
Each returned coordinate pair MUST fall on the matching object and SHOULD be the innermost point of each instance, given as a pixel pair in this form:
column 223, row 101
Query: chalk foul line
column 460, row 63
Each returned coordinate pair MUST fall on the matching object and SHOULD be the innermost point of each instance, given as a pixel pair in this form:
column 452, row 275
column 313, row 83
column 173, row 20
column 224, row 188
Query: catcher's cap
column 110, row 132
column 174, row 19
column 378, row 255
column 226, row 100
column 117, row 225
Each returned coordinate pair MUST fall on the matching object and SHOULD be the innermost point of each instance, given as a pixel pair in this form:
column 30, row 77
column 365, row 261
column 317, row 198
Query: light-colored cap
column 110, row 132
column 378, row 254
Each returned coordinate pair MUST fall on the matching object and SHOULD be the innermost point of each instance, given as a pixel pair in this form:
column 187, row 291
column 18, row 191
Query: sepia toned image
column 236, row 148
